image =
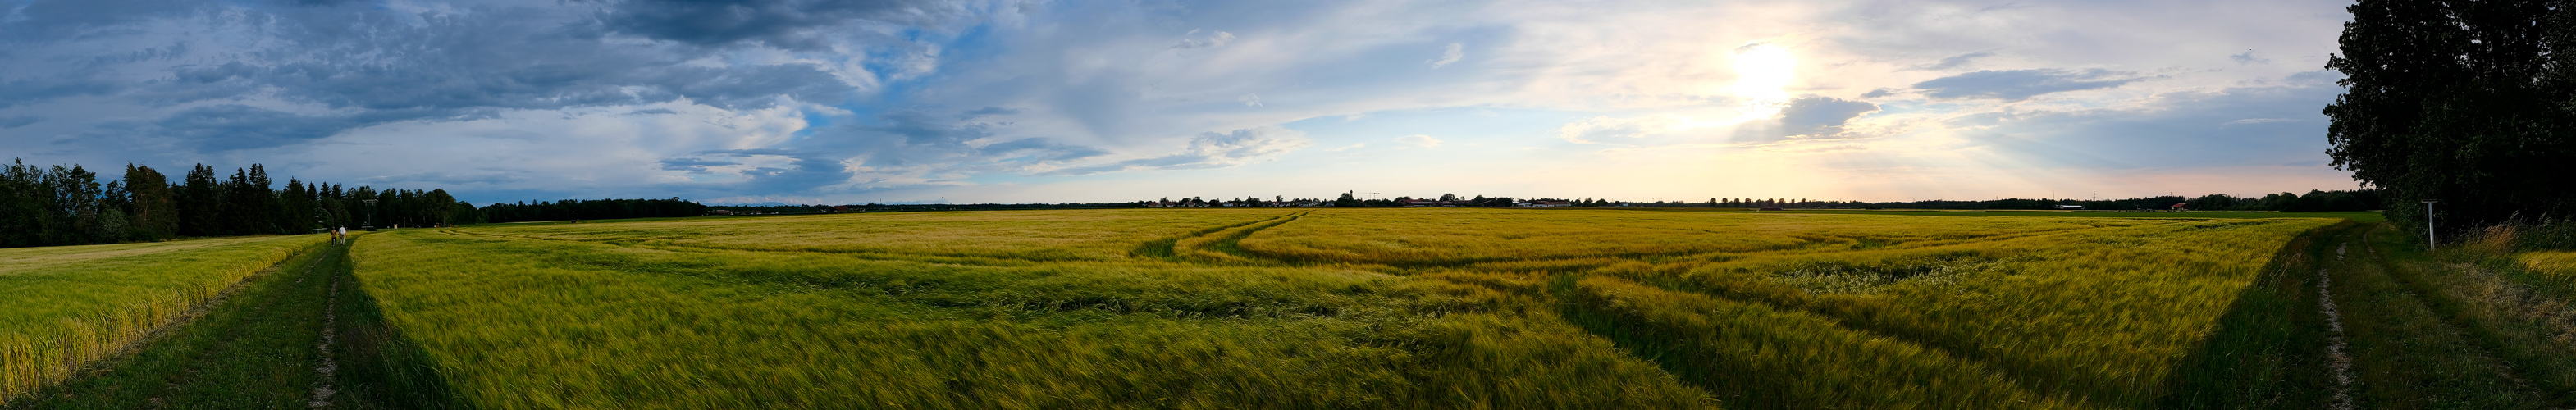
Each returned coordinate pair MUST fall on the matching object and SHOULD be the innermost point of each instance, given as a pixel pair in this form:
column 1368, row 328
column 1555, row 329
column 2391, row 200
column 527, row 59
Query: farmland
column 1321, row 308
column 72, row 305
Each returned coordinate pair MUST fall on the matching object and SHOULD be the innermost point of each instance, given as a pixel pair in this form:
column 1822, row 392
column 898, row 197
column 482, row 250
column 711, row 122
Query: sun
column 1762, row 76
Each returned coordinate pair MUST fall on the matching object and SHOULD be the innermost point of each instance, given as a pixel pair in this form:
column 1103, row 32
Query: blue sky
column 1080, row 101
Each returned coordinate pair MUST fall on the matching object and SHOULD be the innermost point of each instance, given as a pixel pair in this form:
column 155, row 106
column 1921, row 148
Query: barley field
column 68, row 306
column 2558, row 266
column 1324, row 308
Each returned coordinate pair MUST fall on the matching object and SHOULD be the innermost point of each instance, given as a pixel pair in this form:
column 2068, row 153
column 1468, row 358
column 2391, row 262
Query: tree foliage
column 59, row 205
column 2465, row 102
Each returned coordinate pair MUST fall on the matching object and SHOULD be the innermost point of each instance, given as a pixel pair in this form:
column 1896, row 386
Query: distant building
column 2070, row 207
column 1543, row 204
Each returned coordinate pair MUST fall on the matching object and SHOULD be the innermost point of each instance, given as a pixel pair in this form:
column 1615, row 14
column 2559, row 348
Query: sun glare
column 1762, row 76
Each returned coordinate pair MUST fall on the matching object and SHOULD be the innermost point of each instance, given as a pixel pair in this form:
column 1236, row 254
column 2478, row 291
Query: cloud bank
column 998, row 100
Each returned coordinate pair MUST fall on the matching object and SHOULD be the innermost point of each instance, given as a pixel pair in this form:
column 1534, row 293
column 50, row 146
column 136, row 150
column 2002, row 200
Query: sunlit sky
column 1083, row 101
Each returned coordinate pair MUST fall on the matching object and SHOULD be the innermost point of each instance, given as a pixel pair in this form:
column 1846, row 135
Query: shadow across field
column 380, row 368
column 2269, row 350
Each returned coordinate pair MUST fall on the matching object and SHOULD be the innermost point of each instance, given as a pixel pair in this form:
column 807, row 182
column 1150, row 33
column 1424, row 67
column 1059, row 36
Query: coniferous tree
column 152, row 206
column 22, row 205
column 200, row 203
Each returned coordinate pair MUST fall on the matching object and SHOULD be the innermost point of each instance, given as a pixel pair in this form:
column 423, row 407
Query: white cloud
column 1210, row 150
column 1607, row 130
column 2250, row 121
column 1250, row 100
column 1188, row 41
column 1456, row 51
column 1424, row 141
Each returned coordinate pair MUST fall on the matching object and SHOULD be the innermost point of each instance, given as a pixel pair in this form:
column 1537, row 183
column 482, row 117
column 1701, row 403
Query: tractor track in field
column 1233, row 234
column 329, row 369
column 2019, row 378
column 2400, row 337
column 2340, row 361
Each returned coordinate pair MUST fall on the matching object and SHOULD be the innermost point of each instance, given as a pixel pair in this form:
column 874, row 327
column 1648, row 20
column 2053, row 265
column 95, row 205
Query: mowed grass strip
column 70, row 306
column 550, row 324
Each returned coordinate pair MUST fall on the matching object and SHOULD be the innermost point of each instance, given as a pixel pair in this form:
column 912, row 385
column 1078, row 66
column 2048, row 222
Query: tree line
column 579, row 209
column 2314, row 200
column 68, row 205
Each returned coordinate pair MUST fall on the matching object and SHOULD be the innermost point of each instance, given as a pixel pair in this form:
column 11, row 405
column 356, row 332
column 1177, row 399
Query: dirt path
column 2336, row 349
column 2393, row 347
column 270, row 345
column 324, row 374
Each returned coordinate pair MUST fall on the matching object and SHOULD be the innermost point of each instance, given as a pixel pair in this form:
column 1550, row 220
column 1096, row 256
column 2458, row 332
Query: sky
column 904, row 101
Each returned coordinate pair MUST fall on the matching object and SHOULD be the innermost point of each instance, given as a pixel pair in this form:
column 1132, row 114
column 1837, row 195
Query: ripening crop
column 1319, row 308
column 65, row 307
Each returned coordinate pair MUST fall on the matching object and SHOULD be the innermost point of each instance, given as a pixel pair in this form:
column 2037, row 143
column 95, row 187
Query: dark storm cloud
column 2021, row 84
column 1808, row 117
column 50, row 20
column 692, row 164
column 2230, row 127
column 486, row 177
column 1209, row 150
column 1818, row 114
column 808, row 169
column 986, row 111
column 916, row 136
column 498, row 59
column 907, row 142
column 1038, row 149
column 1955, row 61
column 232, row 126
column 370, row 66
column 787, row 24
column 14, row 92
column 16, row 121
column 913, row 138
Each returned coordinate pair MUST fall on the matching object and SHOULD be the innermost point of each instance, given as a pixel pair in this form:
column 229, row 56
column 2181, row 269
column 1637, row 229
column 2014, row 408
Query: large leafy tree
column 2465, row 102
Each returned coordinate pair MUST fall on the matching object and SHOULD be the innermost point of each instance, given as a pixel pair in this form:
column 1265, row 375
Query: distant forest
column 61, row 205
column 2314, row 200
column 68, row 205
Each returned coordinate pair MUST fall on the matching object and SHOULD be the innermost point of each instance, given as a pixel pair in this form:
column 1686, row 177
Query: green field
column 68, row 306
column 1307, row 308
column 2355, row 216
column 1318, row 308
